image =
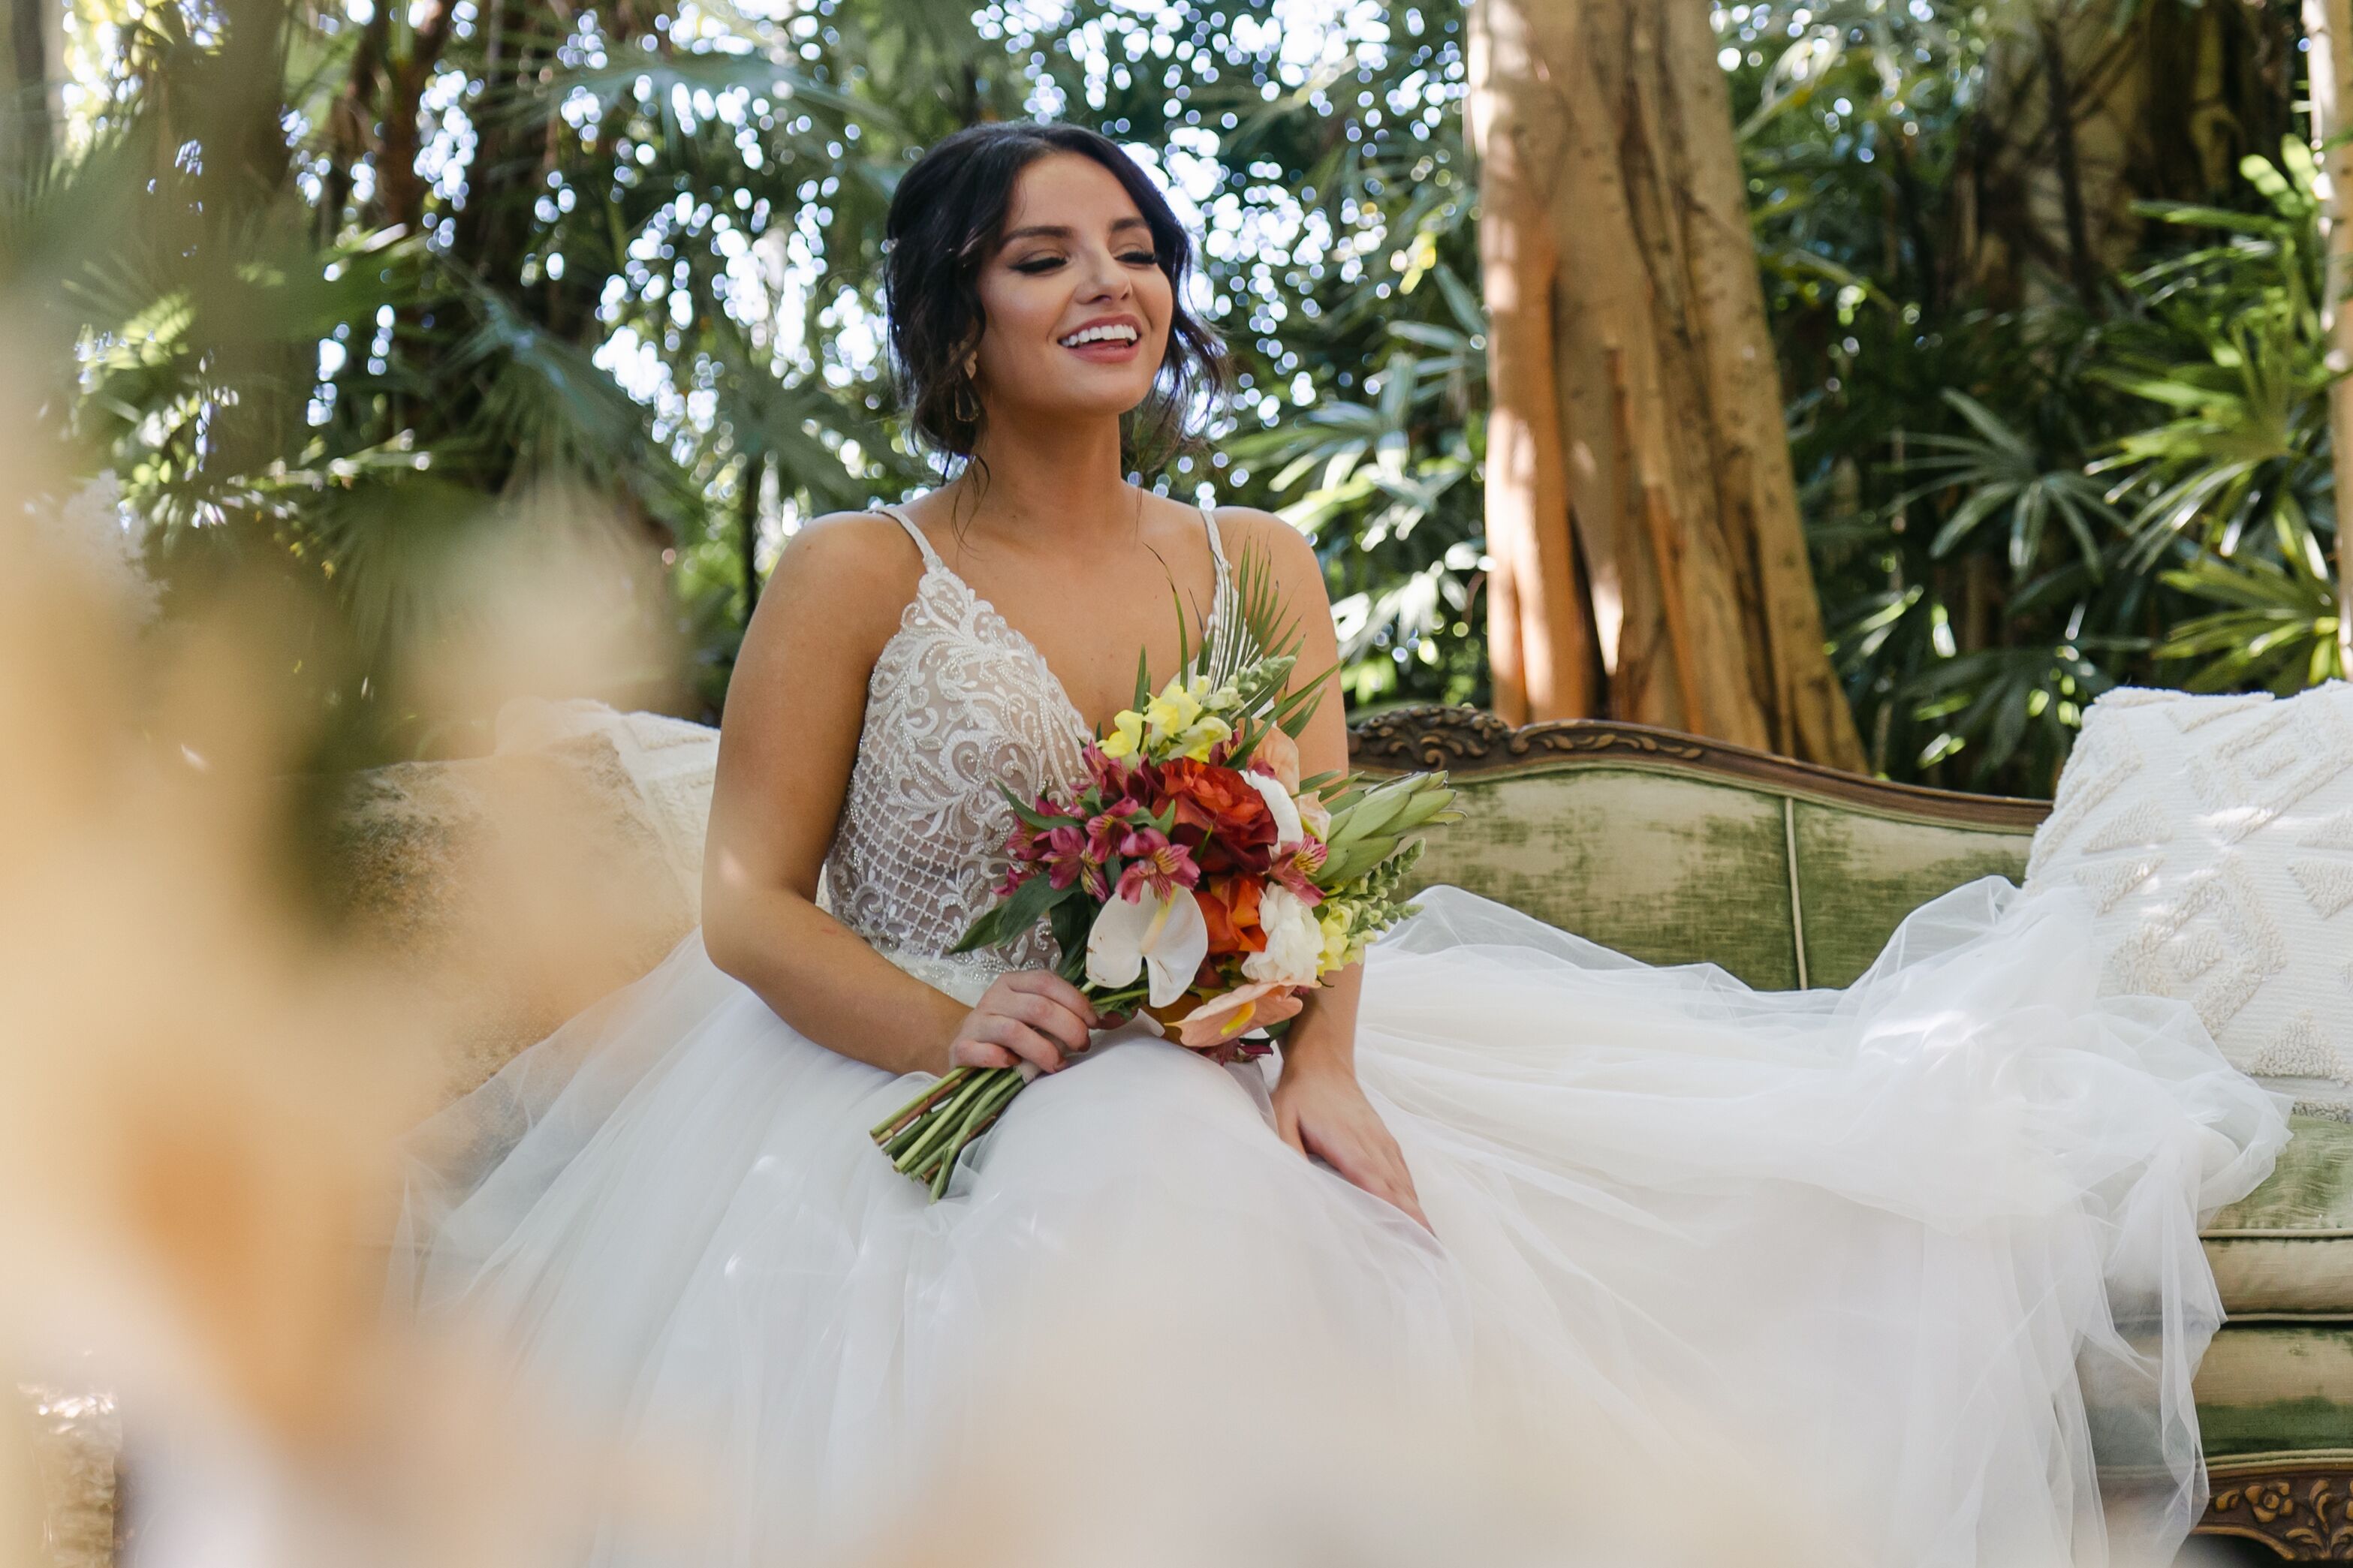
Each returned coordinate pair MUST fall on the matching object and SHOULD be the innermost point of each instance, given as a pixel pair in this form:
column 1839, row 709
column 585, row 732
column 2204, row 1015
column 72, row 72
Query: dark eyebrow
column 1064, row 231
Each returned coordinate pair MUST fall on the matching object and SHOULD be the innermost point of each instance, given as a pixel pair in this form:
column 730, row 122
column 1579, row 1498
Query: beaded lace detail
column 958, row 701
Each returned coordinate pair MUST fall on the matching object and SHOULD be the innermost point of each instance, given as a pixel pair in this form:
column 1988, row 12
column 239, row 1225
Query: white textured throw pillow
column 2215, row 836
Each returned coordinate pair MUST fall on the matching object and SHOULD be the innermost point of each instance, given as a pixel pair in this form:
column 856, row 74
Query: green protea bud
column 1366, row 832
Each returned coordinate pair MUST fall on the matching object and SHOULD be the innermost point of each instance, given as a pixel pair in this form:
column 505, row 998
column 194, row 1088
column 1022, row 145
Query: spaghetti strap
column 1217, row 554
column 932, row 557
column 1217, row 544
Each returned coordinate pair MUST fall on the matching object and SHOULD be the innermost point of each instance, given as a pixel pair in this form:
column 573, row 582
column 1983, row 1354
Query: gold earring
column 964, row 394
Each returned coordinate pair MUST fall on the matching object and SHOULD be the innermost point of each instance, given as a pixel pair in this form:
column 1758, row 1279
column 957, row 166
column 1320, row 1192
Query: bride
column 1919, row 1258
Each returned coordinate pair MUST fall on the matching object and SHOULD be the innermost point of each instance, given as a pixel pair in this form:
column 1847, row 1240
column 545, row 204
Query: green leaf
column 1069, row 923
column 1976, row 509
column 1029, row 814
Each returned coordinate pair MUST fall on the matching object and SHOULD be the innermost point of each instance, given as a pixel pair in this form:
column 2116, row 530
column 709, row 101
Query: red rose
column 1219, row 817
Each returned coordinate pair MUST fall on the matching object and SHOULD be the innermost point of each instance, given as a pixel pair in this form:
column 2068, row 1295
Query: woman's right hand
column 1029, row 1016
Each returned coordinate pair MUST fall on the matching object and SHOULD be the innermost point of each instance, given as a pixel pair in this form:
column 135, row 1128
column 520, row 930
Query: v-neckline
column 1060, row 693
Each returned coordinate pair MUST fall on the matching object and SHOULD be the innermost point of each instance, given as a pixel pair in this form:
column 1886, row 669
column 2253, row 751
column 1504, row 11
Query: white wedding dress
column 1914, row 1258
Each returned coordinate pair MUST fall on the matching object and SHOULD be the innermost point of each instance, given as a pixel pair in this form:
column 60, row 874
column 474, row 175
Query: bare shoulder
column 837, row 594
column 857, row 565
column 848, row 550
column 1241, row 526
column 1290, row 552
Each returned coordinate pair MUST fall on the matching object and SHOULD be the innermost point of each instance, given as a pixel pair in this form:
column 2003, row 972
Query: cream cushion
column 510, row 891
column 2215, row 837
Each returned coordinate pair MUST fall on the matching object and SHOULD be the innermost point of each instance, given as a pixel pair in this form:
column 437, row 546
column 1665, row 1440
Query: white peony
column 1294, row 940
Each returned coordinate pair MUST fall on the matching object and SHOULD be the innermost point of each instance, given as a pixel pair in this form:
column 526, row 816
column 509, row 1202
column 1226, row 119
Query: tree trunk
column 747, row 532
column 1540, row 638
column 1641, row 510
column 400, row 188
column 2083, row 266
column 28, row 52
column 352, row 122
column 2328, row 24
column 2092, row 104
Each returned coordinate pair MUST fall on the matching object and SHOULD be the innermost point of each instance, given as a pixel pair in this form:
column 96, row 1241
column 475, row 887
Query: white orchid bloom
column 1169, row 935
column 1287, row 828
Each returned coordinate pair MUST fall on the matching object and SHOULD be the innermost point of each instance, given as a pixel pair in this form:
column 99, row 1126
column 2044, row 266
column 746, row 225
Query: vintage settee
column 1680, row 850
column 1668, row 848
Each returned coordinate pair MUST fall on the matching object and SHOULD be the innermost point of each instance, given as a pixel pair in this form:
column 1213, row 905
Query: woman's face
column 1076, row 305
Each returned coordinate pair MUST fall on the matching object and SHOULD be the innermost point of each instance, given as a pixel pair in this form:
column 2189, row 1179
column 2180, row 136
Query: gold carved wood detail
column 1469, row 741
column 2304, row 1512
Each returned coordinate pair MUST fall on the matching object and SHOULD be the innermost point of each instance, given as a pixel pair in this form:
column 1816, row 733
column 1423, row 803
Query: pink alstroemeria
column 1119, row 778
column 1026, row 843
column 1295, row 866
column 1108, row 773
column 1066, row 854
column 1108, row 826
column 1155, row 864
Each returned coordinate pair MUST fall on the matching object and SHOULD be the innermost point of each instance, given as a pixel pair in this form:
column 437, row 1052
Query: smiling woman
column 959, row 206
column 1643, row 1210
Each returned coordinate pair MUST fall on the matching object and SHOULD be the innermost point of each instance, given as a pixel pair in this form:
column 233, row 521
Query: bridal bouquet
column 1196, row 881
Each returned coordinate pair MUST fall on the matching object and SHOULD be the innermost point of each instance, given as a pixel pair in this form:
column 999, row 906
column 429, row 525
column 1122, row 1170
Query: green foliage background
column 626, row 266
column 2018, row 504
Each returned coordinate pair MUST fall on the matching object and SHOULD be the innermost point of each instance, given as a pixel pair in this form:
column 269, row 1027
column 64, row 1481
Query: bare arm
column 1319, row 1108
column 789, row 737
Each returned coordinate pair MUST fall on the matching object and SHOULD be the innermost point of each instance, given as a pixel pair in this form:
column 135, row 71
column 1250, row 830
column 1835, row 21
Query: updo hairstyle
column 946, row 220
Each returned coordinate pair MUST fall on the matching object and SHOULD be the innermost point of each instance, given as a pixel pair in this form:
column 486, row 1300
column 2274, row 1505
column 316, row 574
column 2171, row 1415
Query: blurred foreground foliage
column 361, row 296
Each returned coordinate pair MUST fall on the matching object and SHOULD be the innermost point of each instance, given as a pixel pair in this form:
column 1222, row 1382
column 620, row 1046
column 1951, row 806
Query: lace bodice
column 958, row 701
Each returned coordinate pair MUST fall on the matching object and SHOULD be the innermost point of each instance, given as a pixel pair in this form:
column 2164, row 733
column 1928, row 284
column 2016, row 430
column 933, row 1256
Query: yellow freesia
column 1174, row 724
column 1126, row 737
column 1173, row 710
column 1194, row 740
column 1336, row 919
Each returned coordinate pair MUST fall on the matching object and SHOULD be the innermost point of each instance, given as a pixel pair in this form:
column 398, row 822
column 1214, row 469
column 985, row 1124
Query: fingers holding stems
column 1030, row 1017
column 1024, row 1024
column 1036, row 1021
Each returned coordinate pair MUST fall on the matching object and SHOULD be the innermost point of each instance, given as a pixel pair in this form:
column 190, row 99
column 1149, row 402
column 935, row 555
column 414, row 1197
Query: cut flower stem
column 925, row 1137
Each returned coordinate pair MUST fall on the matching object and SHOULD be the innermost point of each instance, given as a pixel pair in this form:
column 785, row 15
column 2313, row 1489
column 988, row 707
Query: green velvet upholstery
column 2287, row 1249
column 1861, row 872
column 1668, row 869
column 2266, row 1388
column 1672, row 866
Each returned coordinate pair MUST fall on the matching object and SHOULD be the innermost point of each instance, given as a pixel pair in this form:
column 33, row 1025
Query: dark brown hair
column 945, row 219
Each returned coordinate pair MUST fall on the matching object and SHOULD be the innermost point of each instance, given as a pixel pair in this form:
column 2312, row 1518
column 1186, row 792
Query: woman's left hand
column 1321, row 1109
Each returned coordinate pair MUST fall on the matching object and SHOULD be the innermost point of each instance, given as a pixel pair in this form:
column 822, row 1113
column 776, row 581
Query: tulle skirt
column 1908, row 1271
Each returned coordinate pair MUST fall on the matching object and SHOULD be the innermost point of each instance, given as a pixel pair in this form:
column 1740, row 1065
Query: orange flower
column 1219, row 815
column 1230, row 906
column 1279, row 753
